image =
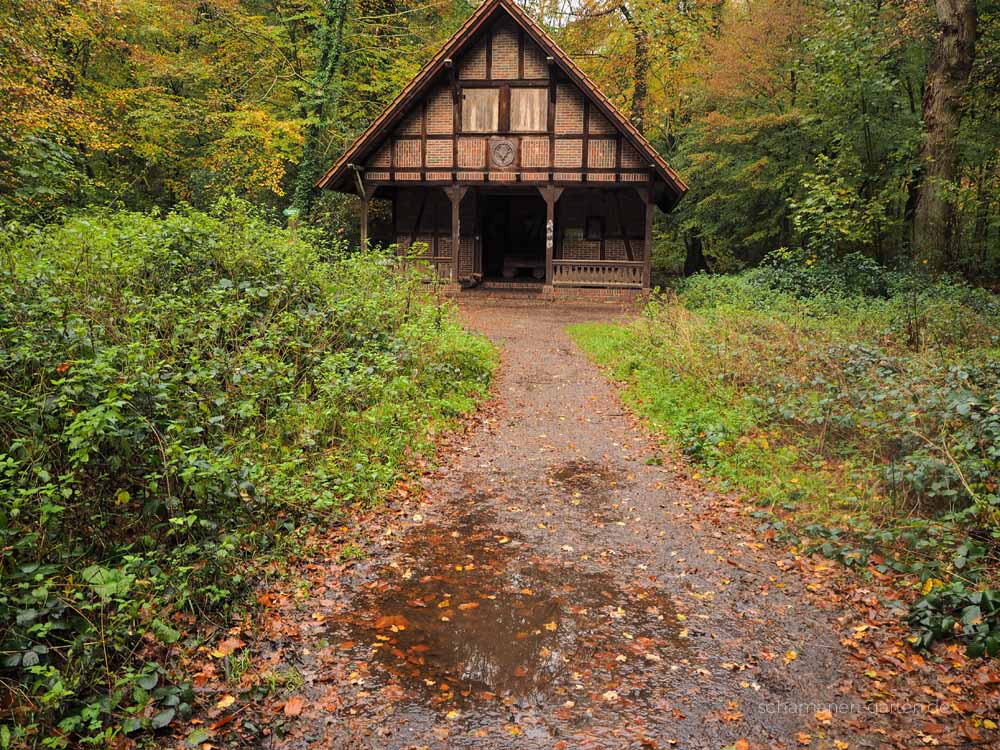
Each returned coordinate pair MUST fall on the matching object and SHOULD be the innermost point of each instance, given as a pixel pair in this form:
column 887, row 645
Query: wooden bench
column 531, row 263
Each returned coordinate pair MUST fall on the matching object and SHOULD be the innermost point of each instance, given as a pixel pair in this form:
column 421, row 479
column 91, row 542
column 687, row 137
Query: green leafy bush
column 954, row 611
column 807, row 275
column 178, row 394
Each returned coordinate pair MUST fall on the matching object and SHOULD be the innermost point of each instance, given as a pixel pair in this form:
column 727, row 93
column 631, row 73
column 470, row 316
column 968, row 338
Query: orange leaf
column 391, row 621
column 228, row 646
column 294, row 705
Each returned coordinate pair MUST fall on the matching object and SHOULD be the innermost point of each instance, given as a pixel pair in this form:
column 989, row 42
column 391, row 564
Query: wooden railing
column 440, row 265
column 615, row 273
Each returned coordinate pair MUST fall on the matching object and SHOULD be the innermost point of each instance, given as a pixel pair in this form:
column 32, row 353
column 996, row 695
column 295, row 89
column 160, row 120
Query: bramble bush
column 861, row 399
column 179, row 394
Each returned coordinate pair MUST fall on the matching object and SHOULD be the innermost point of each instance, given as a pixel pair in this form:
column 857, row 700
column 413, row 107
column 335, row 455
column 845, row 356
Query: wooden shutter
column 480, row 110
column 529, row 109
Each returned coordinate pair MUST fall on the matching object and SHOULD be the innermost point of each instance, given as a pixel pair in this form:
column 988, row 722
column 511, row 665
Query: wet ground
column 557, row 587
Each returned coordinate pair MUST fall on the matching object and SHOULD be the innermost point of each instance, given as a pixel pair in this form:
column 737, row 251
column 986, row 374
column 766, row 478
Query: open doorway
column 513, row 232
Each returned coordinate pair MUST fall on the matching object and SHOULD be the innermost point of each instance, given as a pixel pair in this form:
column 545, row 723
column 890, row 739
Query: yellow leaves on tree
column 252, row 150
column 752, row 57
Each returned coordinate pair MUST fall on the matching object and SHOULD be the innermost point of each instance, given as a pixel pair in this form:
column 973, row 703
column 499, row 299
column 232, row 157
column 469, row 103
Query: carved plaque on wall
column 503, row 153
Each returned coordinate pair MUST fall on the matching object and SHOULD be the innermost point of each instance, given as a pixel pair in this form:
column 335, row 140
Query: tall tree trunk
column 319, row 104
column 694, row 260
column 947, row 74
column 640, row 70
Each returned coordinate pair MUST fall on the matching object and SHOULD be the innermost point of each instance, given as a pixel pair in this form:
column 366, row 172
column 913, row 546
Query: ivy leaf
column 148, row 681
column 163, row 718
column 197, row 737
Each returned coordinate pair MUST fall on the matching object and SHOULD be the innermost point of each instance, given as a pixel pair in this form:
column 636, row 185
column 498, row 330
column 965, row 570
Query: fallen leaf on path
column 294, row 705
column 227, row 646
column 225, row 702
column 391, row 621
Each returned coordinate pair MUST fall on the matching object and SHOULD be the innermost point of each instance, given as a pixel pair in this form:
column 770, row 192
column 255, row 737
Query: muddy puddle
column 589, row 484
column 469, row 615
column 585, row 476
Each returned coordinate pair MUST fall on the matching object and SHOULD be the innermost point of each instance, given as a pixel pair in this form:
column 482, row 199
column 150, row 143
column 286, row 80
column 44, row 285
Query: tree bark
column 695, row 260
column 320, row 104
column 640, row 70
column 947, row 74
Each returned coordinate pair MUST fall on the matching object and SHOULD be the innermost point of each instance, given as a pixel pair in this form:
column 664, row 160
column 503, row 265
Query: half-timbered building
column 502, row 161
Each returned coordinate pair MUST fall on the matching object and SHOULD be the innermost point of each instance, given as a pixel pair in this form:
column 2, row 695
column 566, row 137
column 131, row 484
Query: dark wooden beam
column 524, row 83
column 503, row 125
column 420, row 218
column 618, row 157
column 590, row 170
column 506, row 183
column 456, row 115
column 550, row 124
column 621, row 225
column 489, row 56
column 423, row 133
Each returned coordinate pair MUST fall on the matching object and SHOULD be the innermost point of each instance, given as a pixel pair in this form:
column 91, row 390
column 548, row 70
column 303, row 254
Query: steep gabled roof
column 428, row 74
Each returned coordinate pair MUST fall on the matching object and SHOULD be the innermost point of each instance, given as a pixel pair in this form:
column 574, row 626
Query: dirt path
column 555, row 587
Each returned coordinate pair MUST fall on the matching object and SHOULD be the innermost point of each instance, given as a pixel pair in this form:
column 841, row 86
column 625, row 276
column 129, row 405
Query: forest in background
column 860, row 126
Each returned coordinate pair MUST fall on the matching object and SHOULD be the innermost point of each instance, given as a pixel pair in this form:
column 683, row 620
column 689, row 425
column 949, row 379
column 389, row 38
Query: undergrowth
column 179, row 397
column 859, row 406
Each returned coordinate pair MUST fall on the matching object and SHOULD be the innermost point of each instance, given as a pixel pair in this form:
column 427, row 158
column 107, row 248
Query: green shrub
column 955, row 611
column 178, row 394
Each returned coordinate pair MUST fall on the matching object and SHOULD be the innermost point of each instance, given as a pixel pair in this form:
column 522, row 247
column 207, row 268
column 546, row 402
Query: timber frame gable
column 452, row 70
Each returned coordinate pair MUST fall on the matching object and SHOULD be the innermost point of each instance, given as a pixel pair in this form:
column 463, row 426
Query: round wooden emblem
column 504, row 152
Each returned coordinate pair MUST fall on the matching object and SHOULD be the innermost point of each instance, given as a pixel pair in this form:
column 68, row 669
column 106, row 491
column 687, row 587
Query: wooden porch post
column 455, row 194
column 550, row 194
column 364, row 221
column 365, row 193
column 647, row 244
